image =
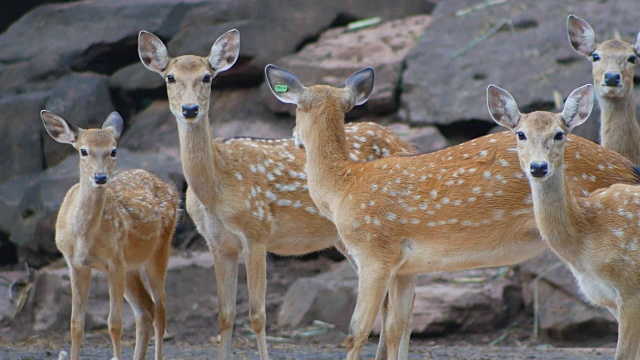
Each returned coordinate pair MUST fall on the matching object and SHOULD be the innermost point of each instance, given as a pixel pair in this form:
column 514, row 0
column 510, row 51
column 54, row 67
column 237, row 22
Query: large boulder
column 469, row 301
column 475, row 300
column 563, row 313
column 306, row 299
column 426, row 138
column 340, row 52
column 20, row 131
column 448, row 71
column 284, row 26
column 233, row 112
column 82, row 99
column 33, row 224
column 51, row 299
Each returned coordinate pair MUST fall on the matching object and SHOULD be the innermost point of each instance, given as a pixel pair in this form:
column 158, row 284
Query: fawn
column 613, row 64
column 597, row 235
column 246, row 196
column 464, row 207
column 120, row 223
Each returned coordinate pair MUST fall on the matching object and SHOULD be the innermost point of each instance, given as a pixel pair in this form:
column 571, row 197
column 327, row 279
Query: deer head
column 97, row 147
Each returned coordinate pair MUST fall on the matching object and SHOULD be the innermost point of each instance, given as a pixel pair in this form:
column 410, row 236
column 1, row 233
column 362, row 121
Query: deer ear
column 578, row 106
column 114, row 123
column 225, row 51
column 284, row 85
column 502, row 107
column 59, row 129
column 152, row 52
column 360, row 84
column 581, row 36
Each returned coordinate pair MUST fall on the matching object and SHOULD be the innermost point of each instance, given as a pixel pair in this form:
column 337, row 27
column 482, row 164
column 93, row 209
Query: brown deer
column 464, row 207
column 613, row 65
column 246, row 196
column 120, row 223
column 597, row 235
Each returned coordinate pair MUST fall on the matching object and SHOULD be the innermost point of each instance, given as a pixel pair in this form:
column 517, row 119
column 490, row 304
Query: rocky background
column 433, row 61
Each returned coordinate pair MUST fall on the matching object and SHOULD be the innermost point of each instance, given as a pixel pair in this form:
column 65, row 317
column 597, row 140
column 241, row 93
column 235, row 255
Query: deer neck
column 200, row 159
column 557, row 215
column 88, row 212
column 620, row 131
column 327, row 156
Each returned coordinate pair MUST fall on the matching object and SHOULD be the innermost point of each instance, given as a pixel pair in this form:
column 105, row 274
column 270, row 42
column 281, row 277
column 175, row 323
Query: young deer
column 597, row 236
column 614, row 63
column 246, row 195
column 464, row 207
column 119, row 223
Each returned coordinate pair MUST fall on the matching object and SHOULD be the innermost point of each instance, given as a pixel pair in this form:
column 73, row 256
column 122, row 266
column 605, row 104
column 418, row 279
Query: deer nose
column 100, row 179
column 538, row 169
column 612, row 79
column 190, row 111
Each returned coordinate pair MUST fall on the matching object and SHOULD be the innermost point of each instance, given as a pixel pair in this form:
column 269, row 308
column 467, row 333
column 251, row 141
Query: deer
column 463, row 207
column 596, row 235
column 117, row 222
column 613, row 65
column 246, row 195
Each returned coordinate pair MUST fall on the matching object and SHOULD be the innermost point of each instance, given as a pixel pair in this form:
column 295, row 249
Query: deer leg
column 401, row 294
column 143, row 309
column 404, row 344
column 372, row 286
column 381, row 353
column 156, row 273
column 226, row 268
column 116, row 276
column 628, row 330
column 255, row 258
column 80, row 283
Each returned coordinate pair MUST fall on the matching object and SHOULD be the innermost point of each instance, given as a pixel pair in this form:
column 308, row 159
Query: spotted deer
column 120, row 223
column 613, row 65
column 464, row 207
column 246, row 196
column 597, row 235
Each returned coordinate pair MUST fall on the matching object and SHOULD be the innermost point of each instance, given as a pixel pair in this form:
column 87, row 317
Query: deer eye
column 632, row 59
column 170, row 79
column 207, row 78
column 114, row 152
column 595, row 57
column 84, row 152
column 521, row 135
column 559, row 135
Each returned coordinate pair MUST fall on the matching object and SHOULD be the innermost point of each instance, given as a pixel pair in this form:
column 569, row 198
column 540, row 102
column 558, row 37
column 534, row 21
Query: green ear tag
column 281, row 88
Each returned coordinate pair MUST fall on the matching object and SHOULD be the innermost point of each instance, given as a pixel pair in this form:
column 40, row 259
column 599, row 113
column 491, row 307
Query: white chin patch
column 611, row 90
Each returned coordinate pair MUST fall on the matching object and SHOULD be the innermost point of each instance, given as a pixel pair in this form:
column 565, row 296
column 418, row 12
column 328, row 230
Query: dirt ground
column 193, row 328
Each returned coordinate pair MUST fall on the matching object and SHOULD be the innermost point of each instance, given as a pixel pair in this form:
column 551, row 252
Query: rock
column 20, row 129
column 563, row 312
column 426, row 138
column 15, row 9
column 82, row 99
column 340, row 52
column 34, row 219
column 234, row 112
column 51, row 300
column 153, row 129
column 240, row 113
column 82, row 36
column 531, row 61
column 469, row 301
column 272, row 21
column 306, row 299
